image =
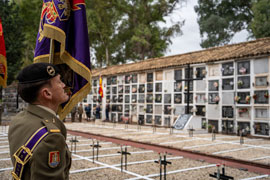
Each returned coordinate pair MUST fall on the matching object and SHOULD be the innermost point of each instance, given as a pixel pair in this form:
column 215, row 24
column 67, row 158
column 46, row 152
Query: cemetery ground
column 144, row 163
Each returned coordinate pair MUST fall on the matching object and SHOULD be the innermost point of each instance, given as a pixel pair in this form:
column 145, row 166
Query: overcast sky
column 190, row 40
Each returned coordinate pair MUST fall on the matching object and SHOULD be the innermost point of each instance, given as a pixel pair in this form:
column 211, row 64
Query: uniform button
column 46, row 120
column 53, row 120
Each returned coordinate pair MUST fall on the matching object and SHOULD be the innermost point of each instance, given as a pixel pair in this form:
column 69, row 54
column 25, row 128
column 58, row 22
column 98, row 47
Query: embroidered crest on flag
column 54, row 159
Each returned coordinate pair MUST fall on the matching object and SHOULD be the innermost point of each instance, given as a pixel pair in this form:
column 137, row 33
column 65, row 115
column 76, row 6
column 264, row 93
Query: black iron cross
column 124, row 153
column 73, row 141
column 221, row 176
column 97, row 146
column 162, row 163
column 189, row 80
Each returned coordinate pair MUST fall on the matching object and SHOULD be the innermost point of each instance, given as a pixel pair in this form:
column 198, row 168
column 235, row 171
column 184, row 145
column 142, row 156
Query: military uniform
column 51, row 158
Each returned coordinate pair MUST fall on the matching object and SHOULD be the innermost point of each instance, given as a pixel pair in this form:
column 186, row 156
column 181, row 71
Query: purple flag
column 65, row 22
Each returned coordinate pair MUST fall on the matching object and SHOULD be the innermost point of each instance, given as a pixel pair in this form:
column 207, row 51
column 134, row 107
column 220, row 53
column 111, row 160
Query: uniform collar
column 47, row 109
column 41, row 111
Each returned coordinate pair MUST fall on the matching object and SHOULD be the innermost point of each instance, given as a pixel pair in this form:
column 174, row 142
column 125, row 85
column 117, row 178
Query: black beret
column 37, row 72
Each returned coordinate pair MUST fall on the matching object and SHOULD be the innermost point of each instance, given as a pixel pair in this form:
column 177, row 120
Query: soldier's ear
column 46, row 93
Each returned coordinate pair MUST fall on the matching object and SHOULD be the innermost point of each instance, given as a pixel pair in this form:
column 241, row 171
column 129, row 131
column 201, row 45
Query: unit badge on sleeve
column 54, row 159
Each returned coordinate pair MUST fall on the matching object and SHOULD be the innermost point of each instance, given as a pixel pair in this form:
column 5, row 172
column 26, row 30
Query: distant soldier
column 37, row 138
column 80, row 112
column 87, row 110
column 107, row 110
column 73, row 113
column 98, row 112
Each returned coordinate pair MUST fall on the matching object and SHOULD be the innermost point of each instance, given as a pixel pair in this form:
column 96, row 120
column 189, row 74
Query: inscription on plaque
column 158, row 98
column 200, row 72
column 127, row 89
column 149, row 98
column 181, row 121
column 120, row 89
column 177, row 98
column 227, row 111
column 141, row 98
column 149, row 108
column 149, row 119
column 243, row 67
column 150, row 87
column 261, row 113
column 127, row 99
column 134, row 98
column 261, row 97
column 149, row 77
column 200, row 110
column 141, row 119
column 177, row 86
column 114, row 90
column 141, row 88
column 243, row 82
column 261, row 66
column 177, row 75
column 261, row 81
column 227, row 84
column 167, row 98
column 120, row 98
column 114, row 79
column 158, row 87
column 134, row 78
column 227, row 69
column 158, row 120
column 213, row 85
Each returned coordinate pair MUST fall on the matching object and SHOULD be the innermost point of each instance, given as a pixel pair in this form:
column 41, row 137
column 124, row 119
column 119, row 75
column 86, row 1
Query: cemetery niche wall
column 232, row 94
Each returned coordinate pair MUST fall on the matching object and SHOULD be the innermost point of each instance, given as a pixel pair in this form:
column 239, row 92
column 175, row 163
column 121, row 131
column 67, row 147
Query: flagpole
column 51, row 51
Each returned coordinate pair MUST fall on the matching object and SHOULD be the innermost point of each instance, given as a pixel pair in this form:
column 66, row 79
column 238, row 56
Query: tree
column 124, row 30
column 219, row 20
column 260, row 24
column 30, row 11
column 13, row 34
column 103, row 18
column 141, row 33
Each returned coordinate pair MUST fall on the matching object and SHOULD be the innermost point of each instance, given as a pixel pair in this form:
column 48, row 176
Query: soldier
column 73, row 113
column 80, row 112
column 37, row 138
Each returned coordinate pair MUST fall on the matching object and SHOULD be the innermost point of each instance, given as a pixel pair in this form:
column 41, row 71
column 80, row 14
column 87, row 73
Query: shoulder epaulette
column 51, row 126
column 24, row 153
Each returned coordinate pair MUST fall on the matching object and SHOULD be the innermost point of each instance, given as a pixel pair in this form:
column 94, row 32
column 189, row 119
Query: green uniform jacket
column 23, row 126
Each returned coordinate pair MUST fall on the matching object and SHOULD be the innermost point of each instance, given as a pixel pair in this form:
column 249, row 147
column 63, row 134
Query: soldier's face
column 59, row 95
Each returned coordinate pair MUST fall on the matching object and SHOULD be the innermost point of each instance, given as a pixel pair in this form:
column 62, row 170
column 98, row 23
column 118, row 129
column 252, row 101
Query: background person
column 87, row 110
column 98, row 109
column 80, row 112
column 107, row 110
column 73, row 113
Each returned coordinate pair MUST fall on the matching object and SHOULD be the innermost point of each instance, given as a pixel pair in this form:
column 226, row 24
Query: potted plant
column 266, row 95
column 209, row 128
column 215, row 84
column 216, row 99
column 243, row 70
column 254, row 96
column 247, row 99
column 237, row 98
column 240, row 83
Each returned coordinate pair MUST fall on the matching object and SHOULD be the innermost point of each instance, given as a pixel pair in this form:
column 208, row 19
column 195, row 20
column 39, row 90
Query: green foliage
column 260, row 24
column 219, row 20
column 140, row 31
column 103, row 18
column 13, row 34
column 30, row 13
column 122, row 30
